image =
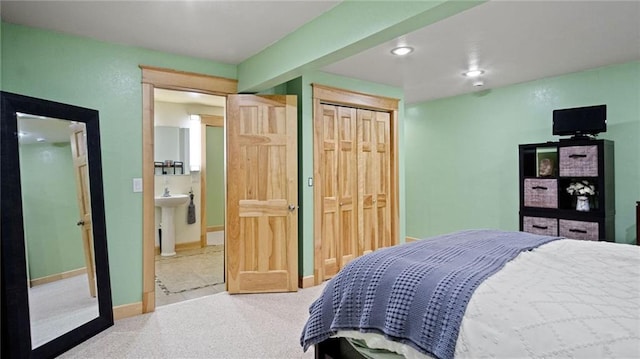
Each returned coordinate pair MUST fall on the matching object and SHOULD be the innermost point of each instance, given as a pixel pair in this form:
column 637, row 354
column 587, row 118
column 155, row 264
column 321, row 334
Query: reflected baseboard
column 58, row 276
column 411, row 239
column 127, row 310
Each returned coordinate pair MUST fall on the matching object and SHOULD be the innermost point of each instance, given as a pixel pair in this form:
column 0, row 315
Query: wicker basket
column 579, row 161
column 540, row 225
column 541, row 193
column 579, row 230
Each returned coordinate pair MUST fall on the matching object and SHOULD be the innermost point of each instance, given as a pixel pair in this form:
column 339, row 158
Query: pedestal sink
column 167, row 206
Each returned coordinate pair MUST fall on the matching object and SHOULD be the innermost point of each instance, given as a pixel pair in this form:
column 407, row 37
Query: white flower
column 581, row 188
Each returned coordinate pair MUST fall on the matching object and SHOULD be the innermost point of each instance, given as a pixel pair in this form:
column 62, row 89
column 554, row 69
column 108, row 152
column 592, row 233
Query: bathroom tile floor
column 189, row 274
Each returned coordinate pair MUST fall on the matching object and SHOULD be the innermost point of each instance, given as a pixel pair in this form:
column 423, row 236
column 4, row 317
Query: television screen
column 579, row 121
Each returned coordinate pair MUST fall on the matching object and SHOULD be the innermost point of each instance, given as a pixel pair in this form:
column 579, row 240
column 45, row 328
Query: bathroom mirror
column 171, row 150
column 55, row 275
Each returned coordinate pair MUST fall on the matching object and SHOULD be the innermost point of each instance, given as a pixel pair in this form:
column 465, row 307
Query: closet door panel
column 367, row 182
column 329, row 166
column 383, row 192
column 348, row 185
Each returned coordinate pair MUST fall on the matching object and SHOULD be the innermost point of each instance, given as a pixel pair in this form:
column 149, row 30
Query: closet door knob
column 80, row 223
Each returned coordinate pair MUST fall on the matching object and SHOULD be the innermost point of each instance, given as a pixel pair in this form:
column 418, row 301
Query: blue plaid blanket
column 414, row 293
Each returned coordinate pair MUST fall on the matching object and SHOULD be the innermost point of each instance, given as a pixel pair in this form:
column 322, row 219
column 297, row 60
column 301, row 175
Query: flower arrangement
column 581, row 188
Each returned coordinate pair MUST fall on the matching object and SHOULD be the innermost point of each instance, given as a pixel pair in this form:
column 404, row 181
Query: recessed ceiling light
column 478, row 83
column 402, row 50
column 40, row 139
column 473, row 73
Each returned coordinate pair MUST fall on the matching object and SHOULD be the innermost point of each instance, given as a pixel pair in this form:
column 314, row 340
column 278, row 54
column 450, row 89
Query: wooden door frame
column 335, row 96
column 152, row 78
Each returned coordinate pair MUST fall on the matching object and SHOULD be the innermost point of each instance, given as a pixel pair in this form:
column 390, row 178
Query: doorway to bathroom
column 189, row 162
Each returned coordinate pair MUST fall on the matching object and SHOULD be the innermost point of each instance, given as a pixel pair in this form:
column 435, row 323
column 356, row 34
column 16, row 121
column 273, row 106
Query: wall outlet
column 137, row 185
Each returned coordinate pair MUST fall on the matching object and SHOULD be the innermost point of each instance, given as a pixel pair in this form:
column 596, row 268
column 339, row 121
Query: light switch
column 310, row 181
column 137, row 185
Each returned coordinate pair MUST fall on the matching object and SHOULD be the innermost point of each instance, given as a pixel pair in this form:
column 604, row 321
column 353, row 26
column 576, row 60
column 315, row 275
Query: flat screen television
column 580, row 121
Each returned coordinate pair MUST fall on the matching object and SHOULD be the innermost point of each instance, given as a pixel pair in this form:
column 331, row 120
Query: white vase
column 582, row 204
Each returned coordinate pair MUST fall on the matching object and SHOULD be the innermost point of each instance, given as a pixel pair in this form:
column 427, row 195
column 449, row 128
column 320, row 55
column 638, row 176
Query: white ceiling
column 49, row 130
column 513, row 41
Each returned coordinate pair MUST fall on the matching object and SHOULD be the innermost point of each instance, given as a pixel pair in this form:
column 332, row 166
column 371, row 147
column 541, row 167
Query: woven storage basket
column 579, row 161
column 540, row 225
column 579, row 229
column 541, row 193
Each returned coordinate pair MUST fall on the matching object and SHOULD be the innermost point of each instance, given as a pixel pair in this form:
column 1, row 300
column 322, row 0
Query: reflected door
column 79, row 155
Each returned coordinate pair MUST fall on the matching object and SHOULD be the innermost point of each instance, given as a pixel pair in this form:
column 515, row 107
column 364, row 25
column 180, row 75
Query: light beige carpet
column 217, row 326
column 191, row 269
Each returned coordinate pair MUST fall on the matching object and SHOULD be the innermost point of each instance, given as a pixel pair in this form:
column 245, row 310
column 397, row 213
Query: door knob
column 80, row 223
column 292, row 207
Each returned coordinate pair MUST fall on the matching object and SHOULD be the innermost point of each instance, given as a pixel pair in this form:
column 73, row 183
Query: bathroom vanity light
column 195, row 142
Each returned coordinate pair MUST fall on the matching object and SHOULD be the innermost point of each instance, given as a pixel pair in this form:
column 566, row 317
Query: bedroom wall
column 105, row 77
column 462, row 152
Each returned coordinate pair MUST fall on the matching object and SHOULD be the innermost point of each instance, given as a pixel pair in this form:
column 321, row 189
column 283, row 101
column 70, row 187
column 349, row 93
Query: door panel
column 348, row 185
column 383, row 155
column 367, row 181
column 80, row 165
column 328, row 130
column 338, row 188
column 262, row 218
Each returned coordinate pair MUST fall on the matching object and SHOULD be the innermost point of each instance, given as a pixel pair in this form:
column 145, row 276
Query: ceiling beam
column 345, row 30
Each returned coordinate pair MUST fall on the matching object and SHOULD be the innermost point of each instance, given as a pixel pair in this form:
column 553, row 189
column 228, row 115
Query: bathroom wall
column 177, row 115
column 215, row 176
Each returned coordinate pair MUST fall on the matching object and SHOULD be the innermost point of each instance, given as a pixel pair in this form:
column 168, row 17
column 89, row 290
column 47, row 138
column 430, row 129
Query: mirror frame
column 16, row 330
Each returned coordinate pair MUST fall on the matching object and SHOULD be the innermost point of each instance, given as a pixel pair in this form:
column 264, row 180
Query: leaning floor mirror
column 56, row 290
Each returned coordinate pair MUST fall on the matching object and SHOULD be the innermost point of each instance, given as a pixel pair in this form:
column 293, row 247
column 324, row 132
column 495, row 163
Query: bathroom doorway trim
column 152, row 78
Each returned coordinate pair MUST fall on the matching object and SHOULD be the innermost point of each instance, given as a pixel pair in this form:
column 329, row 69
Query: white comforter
column 565, row 299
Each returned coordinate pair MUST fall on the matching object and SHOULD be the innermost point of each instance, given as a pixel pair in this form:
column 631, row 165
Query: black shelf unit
column 545, row 205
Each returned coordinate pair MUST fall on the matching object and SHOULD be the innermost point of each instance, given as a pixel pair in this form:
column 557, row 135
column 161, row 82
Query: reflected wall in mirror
column 55, row 277
column 57, row 223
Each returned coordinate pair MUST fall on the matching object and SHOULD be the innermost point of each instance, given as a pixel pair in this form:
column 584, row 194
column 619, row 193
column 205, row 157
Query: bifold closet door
column 374, row 174
column 339, row 191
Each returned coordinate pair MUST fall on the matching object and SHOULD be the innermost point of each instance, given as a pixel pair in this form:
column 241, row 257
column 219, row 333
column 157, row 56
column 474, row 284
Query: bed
column 482, row 293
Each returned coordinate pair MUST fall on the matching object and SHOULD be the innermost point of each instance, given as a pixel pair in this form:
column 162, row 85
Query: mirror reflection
column 57, row 226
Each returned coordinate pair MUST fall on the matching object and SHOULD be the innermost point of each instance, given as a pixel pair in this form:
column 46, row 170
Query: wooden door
column 262, row 198
column 80, row 166
column 337, row 190
column 374, row 178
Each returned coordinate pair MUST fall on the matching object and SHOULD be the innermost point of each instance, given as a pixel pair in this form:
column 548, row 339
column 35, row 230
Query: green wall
column 462, row 152
column 50, row 209
column 105, row 77
column 215, row 176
